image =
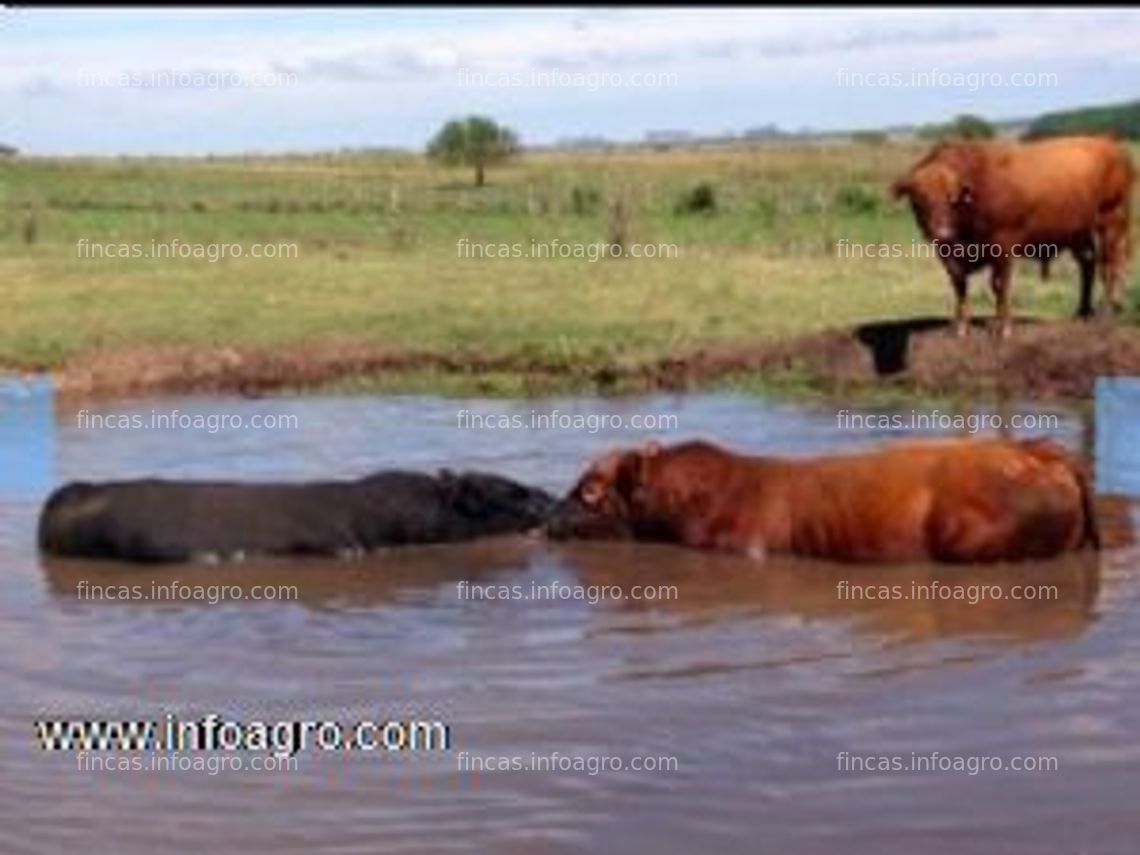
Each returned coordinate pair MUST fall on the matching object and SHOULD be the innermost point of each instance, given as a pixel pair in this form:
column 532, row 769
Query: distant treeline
column 1121, row 120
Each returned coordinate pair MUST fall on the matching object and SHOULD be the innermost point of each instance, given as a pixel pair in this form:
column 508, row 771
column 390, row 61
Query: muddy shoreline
column 920, row 357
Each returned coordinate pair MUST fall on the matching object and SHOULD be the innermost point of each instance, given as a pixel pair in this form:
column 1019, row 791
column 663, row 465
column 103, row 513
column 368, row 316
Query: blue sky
column 190, row 81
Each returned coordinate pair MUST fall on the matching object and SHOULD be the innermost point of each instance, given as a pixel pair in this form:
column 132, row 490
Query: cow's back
column 989, row 499
column 1008, row 500
column 158, row 520
column 1050, row 187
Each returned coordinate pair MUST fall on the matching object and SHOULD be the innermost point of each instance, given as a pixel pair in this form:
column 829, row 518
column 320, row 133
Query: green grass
column 377, row 261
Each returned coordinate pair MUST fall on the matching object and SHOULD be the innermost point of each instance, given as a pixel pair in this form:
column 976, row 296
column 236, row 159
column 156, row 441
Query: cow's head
column 495, row 503
column 940, row 197
column 608, row 500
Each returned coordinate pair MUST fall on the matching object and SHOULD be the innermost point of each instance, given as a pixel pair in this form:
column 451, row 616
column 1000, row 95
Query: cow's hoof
column 1108, row 311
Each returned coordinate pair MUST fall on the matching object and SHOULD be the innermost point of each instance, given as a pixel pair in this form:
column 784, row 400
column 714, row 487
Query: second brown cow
column 985, row 204
column 948, row 500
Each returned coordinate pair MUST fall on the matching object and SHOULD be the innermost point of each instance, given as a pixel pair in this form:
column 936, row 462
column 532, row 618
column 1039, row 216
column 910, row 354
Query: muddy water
column 752, row 679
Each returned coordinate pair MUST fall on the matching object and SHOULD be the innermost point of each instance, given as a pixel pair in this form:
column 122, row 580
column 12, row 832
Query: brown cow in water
column 945, row 500
column 984, row 204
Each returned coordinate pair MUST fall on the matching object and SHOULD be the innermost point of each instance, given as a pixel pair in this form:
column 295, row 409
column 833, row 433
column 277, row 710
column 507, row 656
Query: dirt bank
column 920, row 356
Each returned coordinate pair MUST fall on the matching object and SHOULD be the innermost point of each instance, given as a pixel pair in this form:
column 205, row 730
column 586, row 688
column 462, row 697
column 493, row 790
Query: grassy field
column 376, row 260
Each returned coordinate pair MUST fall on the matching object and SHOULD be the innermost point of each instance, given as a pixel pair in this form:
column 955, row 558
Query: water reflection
column 1016, row 601
column 914, row 602
column 382, row 578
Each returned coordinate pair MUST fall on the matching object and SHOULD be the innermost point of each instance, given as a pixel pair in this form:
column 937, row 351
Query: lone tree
column 475, row 141
column 963, row 127
column 972, row 127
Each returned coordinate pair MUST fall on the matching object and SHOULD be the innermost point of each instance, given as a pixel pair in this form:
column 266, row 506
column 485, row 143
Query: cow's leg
column 999, row 284
column 1010, row 513
column 1037, row 522
column 1113, row 238
column 968, row 534
column 961, row 307
column 1085, row 253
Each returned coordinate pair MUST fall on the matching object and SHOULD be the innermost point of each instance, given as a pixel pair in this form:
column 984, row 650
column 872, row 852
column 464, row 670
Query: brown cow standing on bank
column 942, row 500
column 984, row 204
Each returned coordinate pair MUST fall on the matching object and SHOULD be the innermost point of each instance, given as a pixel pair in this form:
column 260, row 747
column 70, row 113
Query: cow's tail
column 1048, row 450
column 1088, row 505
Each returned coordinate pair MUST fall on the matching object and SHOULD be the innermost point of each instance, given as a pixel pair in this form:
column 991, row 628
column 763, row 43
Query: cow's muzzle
column 572, row 520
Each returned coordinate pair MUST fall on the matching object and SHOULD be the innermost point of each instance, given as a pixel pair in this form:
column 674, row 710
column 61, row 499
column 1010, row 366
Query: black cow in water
column 155, row 520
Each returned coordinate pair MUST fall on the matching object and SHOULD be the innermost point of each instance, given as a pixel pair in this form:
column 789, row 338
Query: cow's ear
column 900, row 189
column 644, row 460
column 630, row 473
column 592, row 492
column 464, row 494
column 640, row 463
column 454, row 487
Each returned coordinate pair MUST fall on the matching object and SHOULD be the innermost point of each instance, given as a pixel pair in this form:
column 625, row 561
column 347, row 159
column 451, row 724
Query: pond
column 762, row 694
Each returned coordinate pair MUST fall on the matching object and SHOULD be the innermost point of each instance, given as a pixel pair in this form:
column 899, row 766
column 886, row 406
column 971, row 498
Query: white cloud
column 639, row 37
column 363, row 65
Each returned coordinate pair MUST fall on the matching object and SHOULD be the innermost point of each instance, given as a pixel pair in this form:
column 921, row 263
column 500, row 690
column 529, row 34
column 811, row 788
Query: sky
column 201, row 80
